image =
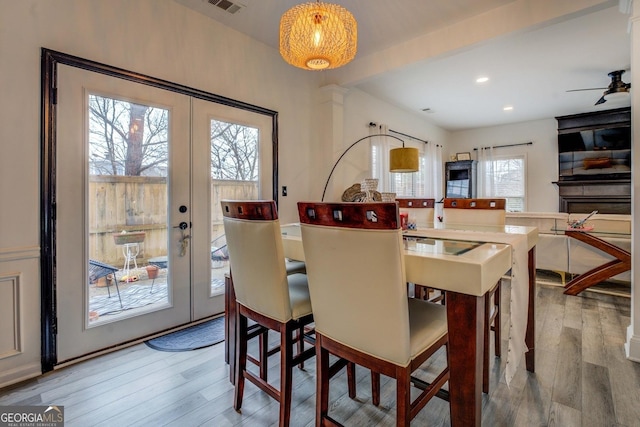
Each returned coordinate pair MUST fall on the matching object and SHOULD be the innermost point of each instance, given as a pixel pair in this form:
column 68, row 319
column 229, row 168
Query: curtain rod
column 412, row 137
column 408, row 136
column 374, row 124
column 502, row 146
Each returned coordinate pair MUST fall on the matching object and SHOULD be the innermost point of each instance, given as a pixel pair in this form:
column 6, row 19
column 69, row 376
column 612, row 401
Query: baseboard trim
column 19, row 374
column 632, row 346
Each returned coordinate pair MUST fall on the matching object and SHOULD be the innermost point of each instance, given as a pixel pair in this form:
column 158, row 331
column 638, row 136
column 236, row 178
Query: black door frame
column 49, row 81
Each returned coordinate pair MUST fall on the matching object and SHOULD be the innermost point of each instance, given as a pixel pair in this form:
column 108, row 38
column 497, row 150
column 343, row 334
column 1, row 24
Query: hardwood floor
column 582, row 379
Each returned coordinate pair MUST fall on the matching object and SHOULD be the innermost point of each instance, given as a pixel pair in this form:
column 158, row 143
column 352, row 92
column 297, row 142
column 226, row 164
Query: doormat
column 192, row 338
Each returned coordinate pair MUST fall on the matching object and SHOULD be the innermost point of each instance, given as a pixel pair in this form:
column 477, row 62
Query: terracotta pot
column 152, row 271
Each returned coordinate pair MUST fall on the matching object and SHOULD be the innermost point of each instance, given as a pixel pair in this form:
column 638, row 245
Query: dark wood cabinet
column 460, row 179
column 594, row 156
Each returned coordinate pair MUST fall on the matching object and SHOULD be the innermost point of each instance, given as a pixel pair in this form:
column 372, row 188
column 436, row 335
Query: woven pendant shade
column 318, row 36
column 403, row 160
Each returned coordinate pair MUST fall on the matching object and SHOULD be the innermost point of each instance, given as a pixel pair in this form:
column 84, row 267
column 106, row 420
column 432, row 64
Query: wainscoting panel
column 10, row 340
column 20, row 346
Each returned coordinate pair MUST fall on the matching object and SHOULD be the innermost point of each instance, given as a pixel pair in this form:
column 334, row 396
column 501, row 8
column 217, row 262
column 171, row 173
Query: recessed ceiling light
column 482, row 79
column 508, row 108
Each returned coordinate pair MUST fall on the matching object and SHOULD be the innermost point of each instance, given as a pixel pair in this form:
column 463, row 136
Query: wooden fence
column 138, row 203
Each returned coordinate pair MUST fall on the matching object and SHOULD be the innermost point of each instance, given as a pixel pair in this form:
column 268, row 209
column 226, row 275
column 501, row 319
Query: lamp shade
column 403, row 159
column 318, row 36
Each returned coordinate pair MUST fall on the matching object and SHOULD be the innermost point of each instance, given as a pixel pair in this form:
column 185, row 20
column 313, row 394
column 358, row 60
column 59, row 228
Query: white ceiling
column 530, row 69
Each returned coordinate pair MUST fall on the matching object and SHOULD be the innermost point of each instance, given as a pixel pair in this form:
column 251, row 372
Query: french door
column 140, row 172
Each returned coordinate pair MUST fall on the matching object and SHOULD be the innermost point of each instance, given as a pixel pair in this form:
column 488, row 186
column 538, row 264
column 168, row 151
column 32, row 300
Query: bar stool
column 482, row 212
column 382, row 330
column 421, row 213
column 268, row 296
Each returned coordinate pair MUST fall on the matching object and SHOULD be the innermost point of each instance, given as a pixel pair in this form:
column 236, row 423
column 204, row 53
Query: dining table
column 522, row 240
column 466, row 270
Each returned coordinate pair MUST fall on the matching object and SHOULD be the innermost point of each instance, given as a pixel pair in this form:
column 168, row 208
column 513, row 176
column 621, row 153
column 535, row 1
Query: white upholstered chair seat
column 427, row 324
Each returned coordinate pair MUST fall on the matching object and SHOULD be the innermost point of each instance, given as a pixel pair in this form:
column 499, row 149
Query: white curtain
column 427, row 182
column 485, row 172
column 380, row 157
column 431, row 171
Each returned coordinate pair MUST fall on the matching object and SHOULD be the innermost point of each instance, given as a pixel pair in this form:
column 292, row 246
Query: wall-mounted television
column 595, row 153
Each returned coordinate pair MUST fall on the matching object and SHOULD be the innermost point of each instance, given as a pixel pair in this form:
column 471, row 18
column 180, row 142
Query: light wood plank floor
column 582, row 379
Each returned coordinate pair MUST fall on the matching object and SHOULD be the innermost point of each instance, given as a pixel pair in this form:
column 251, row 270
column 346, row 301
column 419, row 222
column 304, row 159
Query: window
column 504, row 177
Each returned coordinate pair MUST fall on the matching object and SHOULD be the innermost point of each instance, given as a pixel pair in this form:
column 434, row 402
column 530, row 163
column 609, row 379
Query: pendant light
column 318, row 36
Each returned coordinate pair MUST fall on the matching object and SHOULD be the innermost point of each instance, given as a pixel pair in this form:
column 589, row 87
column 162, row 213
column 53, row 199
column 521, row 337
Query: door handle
column 184, row 239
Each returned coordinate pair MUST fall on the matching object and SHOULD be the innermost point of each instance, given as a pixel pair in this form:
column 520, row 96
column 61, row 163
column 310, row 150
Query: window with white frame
column 504, row 176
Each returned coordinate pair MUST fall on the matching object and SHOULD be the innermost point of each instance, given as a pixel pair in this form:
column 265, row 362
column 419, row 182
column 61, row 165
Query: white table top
column 467, row 232
column 433, row 263
column 473, row 272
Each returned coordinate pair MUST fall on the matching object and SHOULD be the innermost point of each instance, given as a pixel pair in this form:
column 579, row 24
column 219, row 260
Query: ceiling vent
column 226, row 5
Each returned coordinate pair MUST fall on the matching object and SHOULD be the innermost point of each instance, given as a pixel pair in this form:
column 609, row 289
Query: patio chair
column 98, row 270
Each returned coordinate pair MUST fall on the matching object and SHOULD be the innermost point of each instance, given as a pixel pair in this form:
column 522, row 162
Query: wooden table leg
column 465, row 317
column 530, row 336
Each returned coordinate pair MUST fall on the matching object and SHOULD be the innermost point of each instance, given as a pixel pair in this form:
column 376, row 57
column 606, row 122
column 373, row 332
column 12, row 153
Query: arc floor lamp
column 401, row 160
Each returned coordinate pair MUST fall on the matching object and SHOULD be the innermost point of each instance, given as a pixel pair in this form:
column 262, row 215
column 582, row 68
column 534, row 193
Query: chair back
column 356, row 275
column 254, row 242
column 420, row 211
column 475, row 211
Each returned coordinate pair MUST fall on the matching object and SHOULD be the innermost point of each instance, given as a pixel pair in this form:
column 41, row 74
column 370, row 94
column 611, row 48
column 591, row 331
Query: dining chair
column 265, row 294
column 482, row 212
column 269, row 293
column 98, row 270
column 421, row 213
column 354, row 254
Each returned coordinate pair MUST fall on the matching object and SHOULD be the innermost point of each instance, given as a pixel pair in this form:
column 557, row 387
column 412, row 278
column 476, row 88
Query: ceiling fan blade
column 593, row 88
column 601, row 100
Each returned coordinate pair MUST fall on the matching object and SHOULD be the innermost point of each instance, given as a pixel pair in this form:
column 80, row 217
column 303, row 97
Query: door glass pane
column 128, row 199
column 234, row 175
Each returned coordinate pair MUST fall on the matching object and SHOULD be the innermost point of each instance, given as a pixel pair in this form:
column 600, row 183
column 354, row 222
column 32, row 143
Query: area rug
column 193, row 338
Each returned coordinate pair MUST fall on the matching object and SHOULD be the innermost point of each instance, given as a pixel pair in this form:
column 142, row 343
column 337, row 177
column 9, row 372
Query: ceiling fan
column 615, row 89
